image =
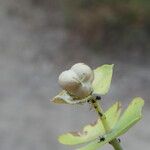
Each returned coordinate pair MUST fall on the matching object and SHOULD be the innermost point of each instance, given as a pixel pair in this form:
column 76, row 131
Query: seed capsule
column 77, row 81
column 83, row 71
column 68, row 80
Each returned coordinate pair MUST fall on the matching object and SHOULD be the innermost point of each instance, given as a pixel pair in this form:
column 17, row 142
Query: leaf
column 62, row 98
column 90, row 132
column 65, row 98
column 130, row 117
column 113, row 114
column 102, row 79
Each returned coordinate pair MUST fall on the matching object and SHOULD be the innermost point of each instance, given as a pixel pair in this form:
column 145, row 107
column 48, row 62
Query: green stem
column 115, row 143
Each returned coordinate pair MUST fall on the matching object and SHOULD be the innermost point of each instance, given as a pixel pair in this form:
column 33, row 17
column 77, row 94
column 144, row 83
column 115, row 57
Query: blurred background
column 41, row 38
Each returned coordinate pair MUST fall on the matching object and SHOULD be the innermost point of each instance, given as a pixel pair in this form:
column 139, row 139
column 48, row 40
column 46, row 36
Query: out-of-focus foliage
column 129, row 118
column 92, row 131
column 101, row 21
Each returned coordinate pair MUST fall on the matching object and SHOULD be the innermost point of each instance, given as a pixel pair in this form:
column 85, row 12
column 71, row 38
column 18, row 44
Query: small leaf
column 113, row 114
column 62, row 98
column 131, row 116
column 90, row 132
column 102, row 79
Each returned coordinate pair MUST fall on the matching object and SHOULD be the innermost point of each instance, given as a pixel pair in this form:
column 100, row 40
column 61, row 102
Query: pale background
column 35, row 46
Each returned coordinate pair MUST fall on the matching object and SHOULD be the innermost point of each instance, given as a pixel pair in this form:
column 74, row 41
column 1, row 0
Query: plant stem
column 115, row 142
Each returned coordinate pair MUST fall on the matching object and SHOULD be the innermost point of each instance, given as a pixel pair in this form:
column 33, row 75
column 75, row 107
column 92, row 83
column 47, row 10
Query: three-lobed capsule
column 77, row 80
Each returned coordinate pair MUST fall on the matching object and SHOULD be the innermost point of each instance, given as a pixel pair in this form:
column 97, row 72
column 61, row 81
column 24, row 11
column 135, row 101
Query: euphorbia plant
column 80, row 85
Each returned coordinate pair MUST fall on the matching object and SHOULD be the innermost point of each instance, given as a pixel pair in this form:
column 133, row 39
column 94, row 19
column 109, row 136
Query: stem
column 116, row 145
column 115, row 142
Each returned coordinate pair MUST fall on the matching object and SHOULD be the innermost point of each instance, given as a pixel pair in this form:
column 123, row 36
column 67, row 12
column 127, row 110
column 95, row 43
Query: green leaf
column 90, row 132
column 131, row 116
column 102, row 79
